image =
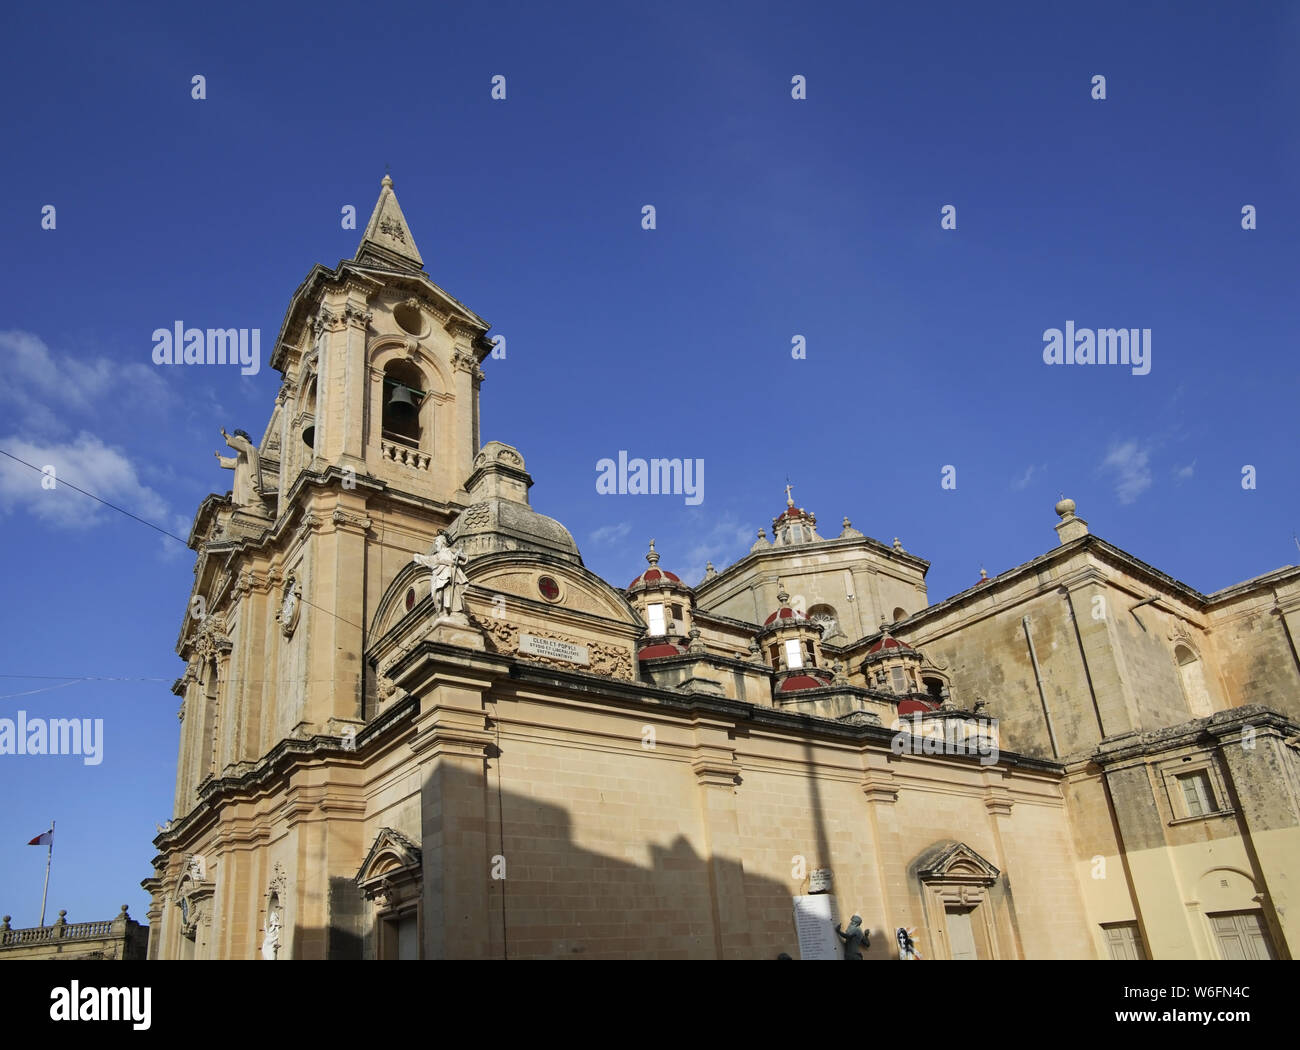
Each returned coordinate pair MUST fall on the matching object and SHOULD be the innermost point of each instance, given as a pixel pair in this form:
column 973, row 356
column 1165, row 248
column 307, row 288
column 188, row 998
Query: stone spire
column 387, row 240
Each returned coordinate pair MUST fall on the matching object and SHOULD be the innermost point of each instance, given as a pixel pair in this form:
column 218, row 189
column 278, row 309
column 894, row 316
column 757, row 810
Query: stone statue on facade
column 247, row 465
column 448, row 583
column 854, row 937
column 271, row 942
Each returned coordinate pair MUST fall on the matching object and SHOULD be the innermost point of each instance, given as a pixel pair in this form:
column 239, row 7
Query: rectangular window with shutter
column 1197, row 794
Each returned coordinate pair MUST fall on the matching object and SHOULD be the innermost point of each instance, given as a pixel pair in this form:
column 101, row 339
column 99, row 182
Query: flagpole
column 48, row 857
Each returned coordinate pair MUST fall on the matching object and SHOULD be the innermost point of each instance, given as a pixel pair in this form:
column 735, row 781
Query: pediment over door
column 955, row 862
column 392, row 870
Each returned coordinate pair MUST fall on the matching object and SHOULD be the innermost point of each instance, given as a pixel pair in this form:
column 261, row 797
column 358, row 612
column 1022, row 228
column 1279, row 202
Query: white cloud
column 85, row 462
column 48, row 388
column 1132, row 468
column 611, row 533
column 726, row 541
column 1183, row 473
column 1022, row 482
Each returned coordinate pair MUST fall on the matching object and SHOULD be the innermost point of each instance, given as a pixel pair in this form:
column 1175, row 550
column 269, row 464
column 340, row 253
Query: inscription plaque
column 556, row 650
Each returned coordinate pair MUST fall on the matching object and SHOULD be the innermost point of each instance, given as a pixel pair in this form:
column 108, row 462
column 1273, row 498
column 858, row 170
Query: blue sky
column 775, row 218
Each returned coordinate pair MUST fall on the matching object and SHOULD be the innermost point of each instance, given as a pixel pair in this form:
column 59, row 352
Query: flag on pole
column 44, row 839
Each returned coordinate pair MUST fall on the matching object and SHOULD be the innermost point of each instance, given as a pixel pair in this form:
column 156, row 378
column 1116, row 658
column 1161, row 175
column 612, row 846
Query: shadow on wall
column 624, row 898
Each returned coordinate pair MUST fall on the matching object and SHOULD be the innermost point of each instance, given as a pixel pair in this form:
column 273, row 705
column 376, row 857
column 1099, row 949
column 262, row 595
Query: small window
column 677, row 613
column 793, row 657
column 775, row 653
column 900, row 680
column 1197, row 794
column 812, row 655
column 655, row 614
column 899, row 613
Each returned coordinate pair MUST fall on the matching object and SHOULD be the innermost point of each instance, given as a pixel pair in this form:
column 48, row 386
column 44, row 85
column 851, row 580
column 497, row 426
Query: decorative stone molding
column 464, row 361
column 404, row 455
column 880, row 786
column 210, row 640
column 998, row 802
column 347, row 521
column 611, row 661
column 325, row 321
column 716, row 771
column 356, row 315
column 309, row 523
column 392, row 873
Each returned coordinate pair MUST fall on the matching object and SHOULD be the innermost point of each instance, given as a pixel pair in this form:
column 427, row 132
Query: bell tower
column 381, row 368
column 364, row 460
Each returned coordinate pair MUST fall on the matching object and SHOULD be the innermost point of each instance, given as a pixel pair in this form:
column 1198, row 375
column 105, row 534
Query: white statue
column 448, row 583
column 247, row 488
column 271, row 942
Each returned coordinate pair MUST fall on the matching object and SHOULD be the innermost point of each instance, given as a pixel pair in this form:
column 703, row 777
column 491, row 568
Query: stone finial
column 124, row 911
column 755, row 652
column 781, row 595
column 695, row 645
column 898, row 544
column 1071, row 526
column 761, row 542
column 709, row 570
column 789, row 499
column 652, row 555
column 4, row 924
column 983, row 574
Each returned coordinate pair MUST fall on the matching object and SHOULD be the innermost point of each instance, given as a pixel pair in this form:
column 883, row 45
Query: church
column 415, row 726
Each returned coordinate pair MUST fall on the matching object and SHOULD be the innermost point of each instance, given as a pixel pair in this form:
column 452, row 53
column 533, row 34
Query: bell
column 401, row 404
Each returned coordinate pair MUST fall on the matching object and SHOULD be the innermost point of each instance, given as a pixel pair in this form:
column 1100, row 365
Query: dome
column 890, row 642
column 887, row 646
column 794, row 524
column 660, row 649
column 785, row 614
column 808, row 678
column 655, row 577
column 499, row 524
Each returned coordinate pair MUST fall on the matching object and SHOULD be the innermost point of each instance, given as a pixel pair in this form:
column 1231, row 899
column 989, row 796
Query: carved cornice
column 356, row 315
column 998, row 802
column 464, row 361
column 347, row 521
column 715, row 771
column 325, row 321
column 463, row 741
column 309, row 523
column 880, row 786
